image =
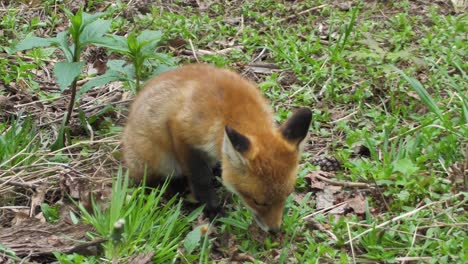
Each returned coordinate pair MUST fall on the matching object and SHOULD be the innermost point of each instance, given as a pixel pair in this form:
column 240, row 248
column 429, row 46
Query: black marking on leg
column 201, row 180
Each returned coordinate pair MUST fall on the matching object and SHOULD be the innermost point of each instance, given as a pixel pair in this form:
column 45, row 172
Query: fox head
column 261, row 168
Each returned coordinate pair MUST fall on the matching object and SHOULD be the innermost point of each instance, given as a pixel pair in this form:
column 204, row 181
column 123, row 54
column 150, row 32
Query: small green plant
column 136, row 221
column 141, row 51
column 89, row 29
column 51, row 213
column 17, row 140
column 85, row 29
column 74, row 258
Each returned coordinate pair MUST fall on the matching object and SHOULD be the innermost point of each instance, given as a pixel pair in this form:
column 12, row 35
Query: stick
column 320, row 227
column 302, row 12
column 307, row 217
column 193, row 51
column 345, row 184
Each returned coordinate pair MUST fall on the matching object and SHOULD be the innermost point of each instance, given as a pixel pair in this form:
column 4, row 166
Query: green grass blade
column 421, row 91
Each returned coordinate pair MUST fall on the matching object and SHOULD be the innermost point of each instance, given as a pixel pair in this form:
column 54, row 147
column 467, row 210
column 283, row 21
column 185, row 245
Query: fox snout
column 269, row 219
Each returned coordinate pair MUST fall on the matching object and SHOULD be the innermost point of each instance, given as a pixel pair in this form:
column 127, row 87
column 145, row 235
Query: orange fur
column 190, row 107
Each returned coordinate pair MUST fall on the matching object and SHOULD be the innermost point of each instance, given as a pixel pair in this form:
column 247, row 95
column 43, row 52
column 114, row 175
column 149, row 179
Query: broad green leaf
column 33, row 42
column 62, row 41
column 66, row 72
column 405, row 166
column 148, row 41
column 113, row 42
column 89, row 18
column 116, row 65
column 107, row 77
column 94, row 31
column 149, row 36
column 76, row 24
column 192, row 239
column 422, row 93
column 120, row 66
column 163, row 58
column 132, row 43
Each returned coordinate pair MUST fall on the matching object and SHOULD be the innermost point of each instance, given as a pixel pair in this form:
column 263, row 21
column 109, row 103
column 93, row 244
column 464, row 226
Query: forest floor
column 384, row 172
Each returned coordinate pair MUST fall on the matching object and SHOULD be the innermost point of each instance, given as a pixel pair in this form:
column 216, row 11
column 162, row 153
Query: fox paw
column 214, row 212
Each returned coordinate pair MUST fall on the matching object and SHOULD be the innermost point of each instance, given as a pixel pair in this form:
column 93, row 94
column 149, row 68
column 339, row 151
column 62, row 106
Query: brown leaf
column 358, row 204
column 203, row 5
column 177, row 43
column 317, row 184
column 37, row 198
column 21, row 215
column 242, row 257
column 324, row 199
column 142, row 258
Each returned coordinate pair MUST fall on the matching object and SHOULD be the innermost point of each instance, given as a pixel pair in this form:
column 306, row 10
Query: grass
column 390, row 77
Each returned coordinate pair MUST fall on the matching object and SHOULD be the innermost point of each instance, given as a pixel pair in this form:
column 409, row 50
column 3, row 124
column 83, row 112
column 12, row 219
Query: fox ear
column 296, row 127
column 234, row 145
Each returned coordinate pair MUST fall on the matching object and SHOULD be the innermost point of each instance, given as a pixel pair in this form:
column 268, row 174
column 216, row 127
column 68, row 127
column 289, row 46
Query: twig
column 344, row 184
column 320, row 227
column 307, row 217
column 302, row 12
column 401, row 216
column 193, row 51
column 404, row 259
column 351, row 243
column 343, row 118
column 18, row 184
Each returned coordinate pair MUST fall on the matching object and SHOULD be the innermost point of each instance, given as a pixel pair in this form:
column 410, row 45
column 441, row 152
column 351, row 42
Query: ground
column 385, row 167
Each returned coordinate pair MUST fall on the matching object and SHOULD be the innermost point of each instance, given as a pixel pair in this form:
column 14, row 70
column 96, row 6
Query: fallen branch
column 405, row 259
column 344, row 184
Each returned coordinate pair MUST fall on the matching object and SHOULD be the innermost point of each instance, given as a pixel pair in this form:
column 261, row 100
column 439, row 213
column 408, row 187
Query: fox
column 186, row 120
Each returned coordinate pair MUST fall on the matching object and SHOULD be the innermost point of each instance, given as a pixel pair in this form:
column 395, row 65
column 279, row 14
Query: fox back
column 186, row 120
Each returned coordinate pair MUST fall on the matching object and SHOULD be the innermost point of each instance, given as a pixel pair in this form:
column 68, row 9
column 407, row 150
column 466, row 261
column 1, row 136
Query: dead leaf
column 37, row 198
column 459, row 5
column 242, row 257
column 324, row 199
column 142, row 258
column 176, row 43
column 358, row 204
column 338, row 210
column 5, row 104
column 203, row 5
column 317, row 184
column 21, row 215
column 40, row 217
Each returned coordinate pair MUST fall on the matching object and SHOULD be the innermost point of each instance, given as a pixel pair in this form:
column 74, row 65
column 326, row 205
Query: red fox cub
column 186, row 120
